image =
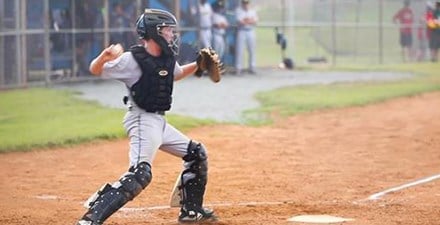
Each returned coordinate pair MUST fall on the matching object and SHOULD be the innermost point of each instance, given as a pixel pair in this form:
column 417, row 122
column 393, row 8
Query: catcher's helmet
column 150, row 24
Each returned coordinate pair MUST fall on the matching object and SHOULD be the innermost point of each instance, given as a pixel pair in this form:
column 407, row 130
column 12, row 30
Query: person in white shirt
column 204, row 13
column 246, row 21
column 219, row 26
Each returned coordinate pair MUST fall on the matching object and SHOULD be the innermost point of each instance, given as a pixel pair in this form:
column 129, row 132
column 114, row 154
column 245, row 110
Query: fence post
column 177, row 9
column 380, row 31
column 73, row 33
column 47, row 58
column 22, row 50
column 106, row 23
column 2, row 46
column 333, row 32
column 17, row 40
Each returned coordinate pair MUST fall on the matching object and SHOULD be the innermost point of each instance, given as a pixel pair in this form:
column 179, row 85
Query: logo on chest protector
column 163, row 73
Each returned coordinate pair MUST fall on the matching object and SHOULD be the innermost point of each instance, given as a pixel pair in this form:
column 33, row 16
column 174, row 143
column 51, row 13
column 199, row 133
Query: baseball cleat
column 194, row 217
column 87, row 222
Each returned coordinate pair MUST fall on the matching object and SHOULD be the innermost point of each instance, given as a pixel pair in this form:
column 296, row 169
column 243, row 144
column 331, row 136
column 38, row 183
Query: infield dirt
column 324, row 162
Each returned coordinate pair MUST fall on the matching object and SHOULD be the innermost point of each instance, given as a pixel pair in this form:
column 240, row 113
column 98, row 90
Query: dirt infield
column 326, row 162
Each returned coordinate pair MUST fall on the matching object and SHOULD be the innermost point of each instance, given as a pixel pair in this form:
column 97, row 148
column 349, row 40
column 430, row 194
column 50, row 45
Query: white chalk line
column 371, row 197
column 398, row 188
column 162, row 207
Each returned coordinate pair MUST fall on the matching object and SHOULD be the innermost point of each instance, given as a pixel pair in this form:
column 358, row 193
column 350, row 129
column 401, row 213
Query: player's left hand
column 209, row 61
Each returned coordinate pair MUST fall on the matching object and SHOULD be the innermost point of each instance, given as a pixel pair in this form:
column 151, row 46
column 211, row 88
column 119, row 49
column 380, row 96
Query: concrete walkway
column 226, row 100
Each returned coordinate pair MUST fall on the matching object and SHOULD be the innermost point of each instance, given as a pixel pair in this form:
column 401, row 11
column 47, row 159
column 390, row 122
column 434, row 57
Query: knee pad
column 196, row 159
column 136, row 179
column 195, row 151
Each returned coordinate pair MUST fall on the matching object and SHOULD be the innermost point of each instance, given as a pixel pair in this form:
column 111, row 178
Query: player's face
column 169, row 33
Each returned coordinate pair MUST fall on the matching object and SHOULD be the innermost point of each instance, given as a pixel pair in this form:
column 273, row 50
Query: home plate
column 318, row 219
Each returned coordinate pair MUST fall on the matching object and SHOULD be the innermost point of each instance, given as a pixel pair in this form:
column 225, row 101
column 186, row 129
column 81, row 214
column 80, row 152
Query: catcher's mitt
column 209, row 61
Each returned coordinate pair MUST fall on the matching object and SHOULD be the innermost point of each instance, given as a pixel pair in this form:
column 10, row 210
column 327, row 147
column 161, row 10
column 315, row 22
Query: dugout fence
column 47, row 41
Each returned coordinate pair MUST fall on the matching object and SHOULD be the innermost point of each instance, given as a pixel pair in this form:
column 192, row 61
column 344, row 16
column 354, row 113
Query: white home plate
column 47, row 197
column 318, row 219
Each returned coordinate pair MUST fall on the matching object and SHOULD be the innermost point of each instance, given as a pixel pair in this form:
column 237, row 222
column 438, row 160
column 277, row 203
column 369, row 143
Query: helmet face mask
column 170, row 35
column 161, row 26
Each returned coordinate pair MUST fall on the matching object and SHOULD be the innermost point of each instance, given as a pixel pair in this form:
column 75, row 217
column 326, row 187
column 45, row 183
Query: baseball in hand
column 117, row 50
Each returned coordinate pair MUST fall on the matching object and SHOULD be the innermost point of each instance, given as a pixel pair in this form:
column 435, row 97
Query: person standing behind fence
column 424, row 33
column 204, row 13
column 246, row 20
column 434, row 26
column 405, row 17
column 119, row 20
column 219, row 25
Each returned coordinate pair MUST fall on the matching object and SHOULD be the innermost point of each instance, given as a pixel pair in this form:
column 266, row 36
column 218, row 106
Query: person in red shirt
column 405, row 17
column 424, row 32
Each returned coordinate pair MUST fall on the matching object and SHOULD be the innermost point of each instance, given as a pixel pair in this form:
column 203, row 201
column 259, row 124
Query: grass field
column 45, row 117
column 34, row 118
column 309, row 98
column 38, row 118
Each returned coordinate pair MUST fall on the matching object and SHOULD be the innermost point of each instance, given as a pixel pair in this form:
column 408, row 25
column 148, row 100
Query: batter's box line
column 219, row 204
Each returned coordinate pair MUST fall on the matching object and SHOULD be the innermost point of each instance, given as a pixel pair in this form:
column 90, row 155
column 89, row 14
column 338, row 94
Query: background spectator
column 434, row 25
column 246, row 20
column 119, row 20
column 203, row 11
column 219, row 26
column 424, row 33
column 405, row 17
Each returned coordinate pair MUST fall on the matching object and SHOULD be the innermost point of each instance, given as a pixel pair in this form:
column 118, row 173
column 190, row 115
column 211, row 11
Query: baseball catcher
column 149, row 71
column 209, row 61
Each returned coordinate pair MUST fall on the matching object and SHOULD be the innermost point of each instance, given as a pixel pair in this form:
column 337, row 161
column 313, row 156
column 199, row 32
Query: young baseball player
column 148, row 71
column 246, row 21
column 219, row 25
column 204, row 14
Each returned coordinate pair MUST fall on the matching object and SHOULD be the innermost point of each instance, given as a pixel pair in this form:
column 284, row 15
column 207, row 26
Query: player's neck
column 153, row 48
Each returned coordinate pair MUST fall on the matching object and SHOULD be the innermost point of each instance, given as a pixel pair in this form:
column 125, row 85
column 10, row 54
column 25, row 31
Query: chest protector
column 153, row 91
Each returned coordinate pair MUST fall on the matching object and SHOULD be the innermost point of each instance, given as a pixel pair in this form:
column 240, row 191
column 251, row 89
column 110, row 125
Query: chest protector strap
column 153, row 91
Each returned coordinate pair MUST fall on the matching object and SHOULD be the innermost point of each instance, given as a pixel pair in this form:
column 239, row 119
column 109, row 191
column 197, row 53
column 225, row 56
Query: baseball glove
column 209, row 61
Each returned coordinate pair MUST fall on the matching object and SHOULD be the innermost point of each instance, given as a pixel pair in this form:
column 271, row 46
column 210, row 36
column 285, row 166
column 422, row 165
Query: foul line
column 398, row 188
column 211, row 205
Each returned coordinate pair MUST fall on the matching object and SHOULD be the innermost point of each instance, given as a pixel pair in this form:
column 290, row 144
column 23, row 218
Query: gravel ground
column 226, row 100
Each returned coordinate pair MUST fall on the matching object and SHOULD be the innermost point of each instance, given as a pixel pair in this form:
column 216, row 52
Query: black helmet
column 149, row 26
column 219, row 6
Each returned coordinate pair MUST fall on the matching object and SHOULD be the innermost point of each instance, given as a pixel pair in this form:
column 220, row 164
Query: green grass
column 40, row 118
column 289, row 101
column 43, row 118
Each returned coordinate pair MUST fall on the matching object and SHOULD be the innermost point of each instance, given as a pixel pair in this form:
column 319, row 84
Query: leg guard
column 112, row 197
column 194, row 179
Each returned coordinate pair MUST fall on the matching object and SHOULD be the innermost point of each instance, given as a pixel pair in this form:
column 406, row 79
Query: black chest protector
column 153, row 91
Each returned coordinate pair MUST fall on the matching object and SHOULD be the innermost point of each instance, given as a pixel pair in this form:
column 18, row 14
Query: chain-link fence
column 45, row 41
column 345, row 31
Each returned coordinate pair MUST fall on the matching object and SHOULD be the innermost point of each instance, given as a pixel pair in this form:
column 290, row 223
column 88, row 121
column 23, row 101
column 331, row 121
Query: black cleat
column 85, row 221
column 194, row 217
